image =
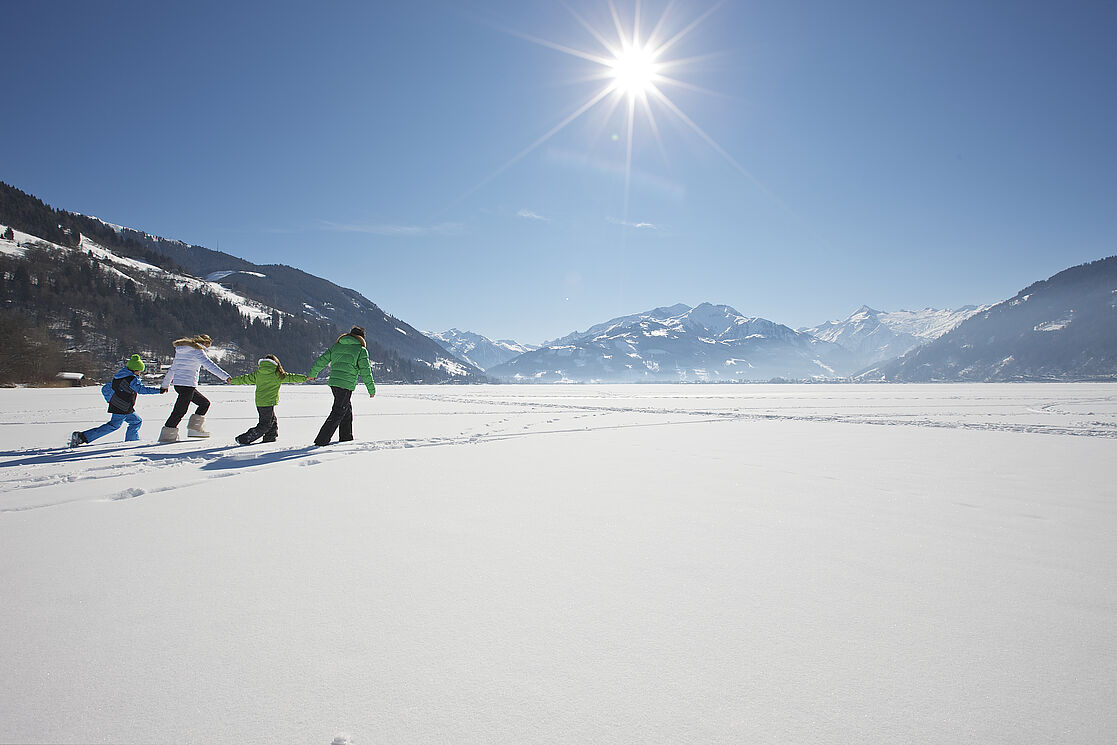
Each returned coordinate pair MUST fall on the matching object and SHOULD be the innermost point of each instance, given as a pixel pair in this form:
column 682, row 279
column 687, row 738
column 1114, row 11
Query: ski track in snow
column 113, row 471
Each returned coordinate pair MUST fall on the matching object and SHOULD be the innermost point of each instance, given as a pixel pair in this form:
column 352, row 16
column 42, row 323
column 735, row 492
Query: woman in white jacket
column 190, row 358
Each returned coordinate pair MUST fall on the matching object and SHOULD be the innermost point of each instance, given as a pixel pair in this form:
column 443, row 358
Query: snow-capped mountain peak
column 929, row 323
column 1061, row 328
column 678, row 343
column 478, row 350
column 874, row 336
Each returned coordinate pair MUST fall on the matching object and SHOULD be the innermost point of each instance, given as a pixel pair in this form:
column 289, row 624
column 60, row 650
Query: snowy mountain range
column 715, row 343
column 86, row 291
column 478, row 350
column 1062, row 328
column 680, row 344
column 873, row 336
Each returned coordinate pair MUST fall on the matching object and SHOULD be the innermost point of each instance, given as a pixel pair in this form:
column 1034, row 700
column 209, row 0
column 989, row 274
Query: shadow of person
column 251, row 459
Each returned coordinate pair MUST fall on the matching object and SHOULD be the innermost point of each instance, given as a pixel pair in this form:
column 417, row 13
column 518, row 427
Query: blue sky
column 897, row 154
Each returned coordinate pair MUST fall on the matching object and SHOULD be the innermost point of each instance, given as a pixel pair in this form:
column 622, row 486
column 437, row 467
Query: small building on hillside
column 73, row 378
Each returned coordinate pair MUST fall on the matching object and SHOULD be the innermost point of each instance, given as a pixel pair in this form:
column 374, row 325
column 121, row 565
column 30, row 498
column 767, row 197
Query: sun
column 637, row 72
column 634, row 71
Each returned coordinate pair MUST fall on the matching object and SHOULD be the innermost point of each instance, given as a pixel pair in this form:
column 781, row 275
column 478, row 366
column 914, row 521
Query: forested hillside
column 64, row 306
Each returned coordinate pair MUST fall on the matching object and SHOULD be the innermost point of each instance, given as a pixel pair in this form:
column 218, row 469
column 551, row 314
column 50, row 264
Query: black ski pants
column 340, row 419
column 187, row 395
column 267, row 427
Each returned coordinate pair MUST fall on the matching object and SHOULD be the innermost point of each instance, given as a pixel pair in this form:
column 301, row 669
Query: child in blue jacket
column 120, row 392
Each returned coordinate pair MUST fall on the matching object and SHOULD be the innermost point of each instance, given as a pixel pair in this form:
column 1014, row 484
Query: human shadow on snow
column 250, row 459
column 67, row 455
column 205, row 453
column 47, row 456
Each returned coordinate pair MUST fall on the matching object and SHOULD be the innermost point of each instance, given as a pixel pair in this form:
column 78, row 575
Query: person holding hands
column 347, row 360
column 190, row 358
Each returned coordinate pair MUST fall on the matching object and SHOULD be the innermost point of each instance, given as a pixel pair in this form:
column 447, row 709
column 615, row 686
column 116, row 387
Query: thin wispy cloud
column 642, row 179
column 529, row 215
column 634, row 225
column 402, row 231
column 262, row 231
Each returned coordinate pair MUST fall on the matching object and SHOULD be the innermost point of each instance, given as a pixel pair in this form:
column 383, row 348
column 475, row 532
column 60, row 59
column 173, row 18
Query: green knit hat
column 135, row 364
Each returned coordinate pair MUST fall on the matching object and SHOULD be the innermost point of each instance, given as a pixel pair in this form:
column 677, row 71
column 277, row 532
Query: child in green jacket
column 267, row 379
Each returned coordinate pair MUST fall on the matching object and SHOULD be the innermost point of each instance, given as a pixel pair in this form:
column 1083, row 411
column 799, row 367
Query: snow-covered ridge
column 874, row 336
column 927, row 324
column 15, row 246
column 679, row 343
column 122, row 230
column 248, row 308
column 113, row 263
column 477, row 350
column 218, row 276
column 1060, row 328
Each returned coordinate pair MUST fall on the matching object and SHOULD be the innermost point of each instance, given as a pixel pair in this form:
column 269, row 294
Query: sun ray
column 654, row 126
column 589, row 77
column 593, row 31
column 561, row 48
column 550, row 133
column 688, row 61
column 660, row 50
column 691, row 87
column 670, row 105
column 617, row 23
column 613, row 103
column 636, row 26
column 651, row 40
column 627, row 187
column 636, row 70
column 662, row 97
column 628, row 152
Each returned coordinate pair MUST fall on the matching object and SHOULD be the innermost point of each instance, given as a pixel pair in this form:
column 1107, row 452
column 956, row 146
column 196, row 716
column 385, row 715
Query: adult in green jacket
column 268, row 377
column 348, row 359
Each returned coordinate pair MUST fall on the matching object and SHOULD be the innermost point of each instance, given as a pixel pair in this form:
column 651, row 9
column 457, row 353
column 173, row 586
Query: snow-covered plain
column 584, row 564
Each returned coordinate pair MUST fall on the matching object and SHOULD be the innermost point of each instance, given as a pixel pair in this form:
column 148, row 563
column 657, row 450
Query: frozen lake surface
column 569, row 564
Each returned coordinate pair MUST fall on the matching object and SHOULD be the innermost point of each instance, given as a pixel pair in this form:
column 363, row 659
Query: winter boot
column 76, row 439
column 196, row 427
column 168, row 434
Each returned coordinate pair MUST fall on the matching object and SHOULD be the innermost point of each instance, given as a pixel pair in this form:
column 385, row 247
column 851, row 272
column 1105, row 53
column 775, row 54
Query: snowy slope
column 928, row 323
column 680, row 343
column 261, row 292
column 1061, row 328
column 111, row 261
column 505, row 565
column 873, row 336
column 294, row 291
column 476, row 349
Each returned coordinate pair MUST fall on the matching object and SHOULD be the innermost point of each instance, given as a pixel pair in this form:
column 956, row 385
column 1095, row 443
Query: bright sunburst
column 636, row 71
